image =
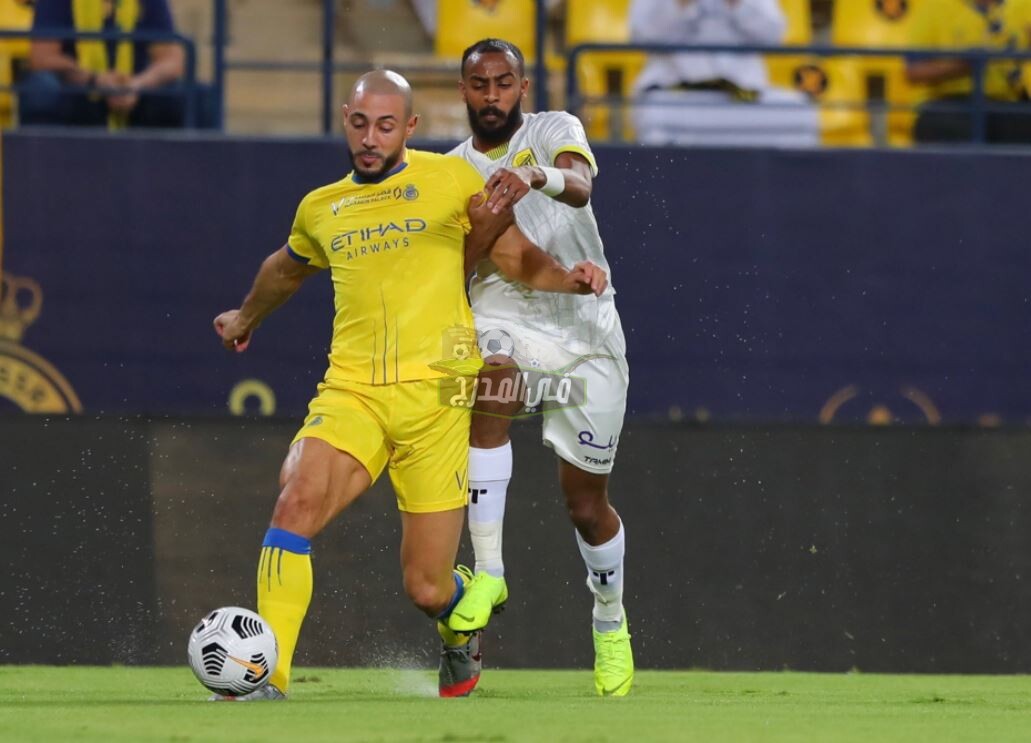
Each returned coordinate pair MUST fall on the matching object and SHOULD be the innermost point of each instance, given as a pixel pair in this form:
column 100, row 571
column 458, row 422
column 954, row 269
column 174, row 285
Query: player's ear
column 410, row 126
column 523, row 87
column 344, row 110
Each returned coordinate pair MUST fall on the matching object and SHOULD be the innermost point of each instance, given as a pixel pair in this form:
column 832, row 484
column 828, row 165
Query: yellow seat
column 603, row 74
column 461, row 23
column 839, row 89
column 881, row 23
column 14, row 15
column 799, row 33
column 800, row 22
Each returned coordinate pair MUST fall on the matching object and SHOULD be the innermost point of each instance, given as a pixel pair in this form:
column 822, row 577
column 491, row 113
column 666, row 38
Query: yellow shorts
column 405, row 425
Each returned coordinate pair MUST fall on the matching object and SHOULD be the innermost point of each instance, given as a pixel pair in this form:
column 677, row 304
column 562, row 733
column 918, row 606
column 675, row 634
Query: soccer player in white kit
column 542, row 164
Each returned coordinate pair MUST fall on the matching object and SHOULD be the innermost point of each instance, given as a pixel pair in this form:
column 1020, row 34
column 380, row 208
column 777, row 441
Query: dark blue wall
column 753, row 284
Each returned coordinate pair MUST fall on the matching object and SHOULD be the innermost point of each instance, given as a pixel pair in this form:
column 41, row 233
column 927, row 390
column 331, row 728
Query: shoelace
column 608, row 658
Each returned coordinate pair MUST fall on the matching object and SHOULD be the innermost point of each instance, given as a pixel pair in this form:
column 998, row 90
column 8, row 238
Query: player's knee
column 587, row 507
column 300, row 504
column 425, row 593
column 488, row 431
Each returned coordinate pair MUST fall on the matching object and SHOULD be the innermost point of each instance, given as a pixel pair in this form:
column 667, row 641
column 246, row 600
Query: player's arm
column 278, row 278
column 569, row 181
column 931, row 71
column 487, row 227
column 520, row 260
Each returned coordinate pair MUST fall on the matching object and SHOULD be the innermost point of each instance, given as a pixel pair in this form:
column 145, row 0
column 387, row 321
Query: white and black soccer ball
column 496, row 342
column 232, row 651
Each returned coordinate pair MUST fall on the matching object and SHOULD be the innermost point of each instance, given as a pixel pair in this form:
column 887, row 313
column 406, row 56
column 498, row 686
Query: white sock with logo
column 490, row 471
column 605, row 579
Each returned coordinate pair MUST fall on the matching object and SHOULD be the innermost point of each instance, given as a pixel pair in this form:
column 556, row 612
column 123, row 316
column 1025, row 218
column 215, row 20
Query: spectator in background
column 958, row 24
column 725, row 92
column 93, row 82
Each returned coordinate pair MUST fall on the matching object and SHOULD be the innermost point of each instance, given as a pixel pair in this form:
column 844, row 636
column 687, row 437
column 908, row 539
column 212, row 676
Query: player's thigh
column 499, row 397
column 429, row 464
column 337, row 454
column 320, row 482
column 587, row 436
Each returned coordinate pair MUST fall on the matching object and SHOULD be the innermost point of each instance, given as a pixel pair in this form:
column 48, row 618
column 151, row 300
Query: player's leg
column 429, row 546
column 490, row 471
column 585, row 440
column 335, row 457
column 318, row 482
column 430, row 472
column 599, row 534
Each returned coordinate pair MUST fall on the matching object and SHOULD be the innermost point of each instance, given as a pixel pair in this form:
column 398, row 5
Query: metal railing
column 979, row 59
column 328, row 66
column 187, row 87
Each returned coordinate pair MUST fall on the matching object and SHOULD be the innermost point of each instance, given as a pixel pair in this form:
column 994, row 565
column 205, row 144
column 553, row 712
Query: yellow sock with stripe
column 284, row 592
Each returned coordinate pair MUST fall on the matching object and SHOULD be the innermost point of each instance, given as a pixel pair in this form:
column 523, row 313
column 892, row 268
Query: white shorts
column 586, row 435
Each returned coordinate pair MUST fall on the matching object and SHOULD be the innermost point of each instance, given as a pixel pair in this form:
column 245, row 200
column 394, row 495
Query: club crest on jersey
column 524, row 157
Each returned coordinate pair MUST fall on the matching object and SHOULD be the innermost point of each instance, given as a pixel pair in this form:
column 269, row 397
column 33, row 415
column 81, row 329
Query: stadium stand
column 833, row 84
column 460, row 23
column 17, row 16
column 603, row 75
column 880, row 23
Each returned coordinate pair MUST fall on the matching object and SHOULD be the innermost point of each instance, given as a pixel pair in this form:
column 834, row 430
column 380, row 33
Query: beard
column 501, row 130
column 387, row 163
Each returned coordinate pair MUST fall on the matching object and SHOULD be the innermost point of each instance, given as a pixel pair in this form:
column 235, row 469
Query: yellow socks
column 284, row 591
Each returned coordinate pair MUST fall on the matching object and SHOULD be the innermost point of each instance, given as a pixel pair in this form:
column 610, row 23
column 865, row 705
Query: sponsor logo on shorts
column 316, row 421
column 586, row 438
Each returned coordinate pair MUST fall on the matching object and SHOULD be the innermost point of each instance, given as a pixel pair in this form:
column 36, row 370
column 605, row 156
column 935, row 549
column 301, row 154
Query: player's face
column 493, row 90
column 377, row 128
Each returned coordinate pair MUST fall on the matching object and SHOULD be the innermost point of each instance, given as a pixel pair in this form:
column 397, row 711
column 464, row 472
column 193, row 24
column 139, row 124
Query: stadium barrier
column 754, row 286
column 830, row 549
column 187, row 88
column 979, row 59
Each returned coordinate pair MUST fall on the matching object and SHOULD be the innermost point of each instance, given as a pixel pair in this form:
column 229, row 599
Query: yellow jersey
column 395, row 251
column 963, row 24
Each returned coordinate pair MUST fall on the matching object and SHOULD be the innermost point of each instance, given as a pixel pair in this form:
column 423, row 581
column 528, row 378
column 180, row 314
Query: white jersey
column 581, row 324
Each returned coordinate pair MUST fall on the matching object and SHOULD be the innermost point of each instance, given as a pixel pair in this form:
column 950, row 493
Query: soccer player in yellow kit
column 394, row 234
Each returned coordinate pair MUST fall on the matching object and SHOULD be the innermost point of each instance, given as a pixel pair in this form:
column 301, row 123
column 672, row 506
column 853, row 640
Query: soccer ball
column 496, row 342
column 232, row 651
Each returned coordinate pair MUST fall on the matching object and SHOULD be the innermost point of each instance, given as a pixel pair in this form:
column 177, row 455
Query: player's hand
column 234, row 332
column 507, row 186
column 486, row 222
column 586, row 278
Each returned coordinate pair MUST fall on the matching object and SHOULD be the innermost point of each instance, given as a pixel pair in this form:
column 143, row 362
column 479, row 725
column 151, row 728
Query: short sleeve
column 156, row 16
column 469, row 182
column 301, row 245
column 564, row 133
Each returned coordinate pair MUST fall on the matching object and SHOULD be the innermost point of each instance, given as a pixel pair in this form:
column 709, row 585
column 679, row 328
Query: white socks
column 490, row 471
column 605, row 579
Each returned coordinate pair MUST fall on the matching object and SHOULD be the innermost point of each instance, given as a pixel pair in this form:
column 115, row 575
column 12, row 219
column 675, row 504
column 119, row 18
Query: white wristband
column 555, row 183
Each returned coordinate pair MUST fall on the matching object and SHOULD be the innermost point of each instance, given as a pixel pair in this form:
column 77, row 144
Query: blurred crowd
column 918, row 94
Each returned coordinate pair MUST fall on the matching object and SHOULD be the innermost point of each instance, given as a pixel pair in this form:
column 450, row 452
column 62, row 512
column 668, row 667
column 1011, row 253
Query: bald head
column 382, row 82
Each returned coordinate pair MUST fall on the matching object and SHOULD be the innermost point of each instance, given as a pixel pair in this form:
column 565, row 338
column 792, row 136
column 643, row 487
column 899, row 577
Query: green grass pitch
column 40, row 703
